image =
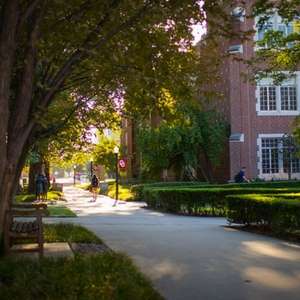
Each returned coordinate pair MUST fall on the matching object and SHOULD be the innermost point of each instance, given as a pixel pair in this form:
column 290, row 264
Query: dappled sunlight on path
column 80, row 201
column 278, row 280
column 280, row 251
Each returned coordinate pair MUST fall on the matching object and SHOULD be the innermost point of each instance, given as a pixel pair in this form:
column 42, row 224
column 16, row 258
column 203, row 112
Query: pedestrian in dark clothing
column 39, row 186
column 240, row 177
column 94, row 187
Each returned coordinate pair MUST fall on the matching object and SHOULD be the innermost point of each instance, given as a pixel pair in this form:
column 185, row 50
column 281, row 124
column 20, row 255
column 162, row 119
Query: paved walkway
column 191, row 258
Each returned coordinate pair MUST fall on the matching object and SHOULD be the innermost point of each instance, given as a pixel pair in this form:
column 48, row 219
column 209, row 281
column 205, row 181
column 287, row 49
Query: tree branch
column 68, row 67
column 23, row 101
column 54, row 129
column 28, row 12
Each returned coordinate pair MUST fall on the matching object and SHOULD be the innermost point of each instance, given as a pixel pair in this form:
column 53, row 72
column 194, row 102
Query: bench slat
column 19, row 229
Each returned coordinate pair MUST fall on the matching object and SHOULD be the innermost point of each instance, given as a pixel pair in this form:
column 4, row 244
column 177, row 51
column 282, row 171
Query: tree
column 182, row 144
column 278, row 51
column 104, row 153
column 93, row 50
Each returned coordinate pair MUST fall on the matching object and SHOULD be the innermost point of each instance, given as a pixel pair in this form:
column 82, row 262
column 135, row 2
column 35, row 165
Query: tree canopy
column 279, row 49
column 96, row 52
column 179, row 143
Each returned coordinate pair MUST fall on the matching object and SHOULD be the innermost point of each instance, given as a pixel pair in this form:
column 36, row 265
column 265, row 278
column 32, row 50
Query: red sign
column 122, row 163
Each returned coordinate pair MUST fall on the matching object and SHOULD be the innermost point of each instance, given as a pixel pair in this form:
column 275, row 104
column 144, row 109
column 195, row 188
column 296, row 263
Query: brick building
column 260, row 113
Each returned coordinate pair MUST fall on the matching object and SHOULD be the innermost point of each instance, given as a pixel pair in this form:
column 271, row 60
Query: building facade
column 261, row 112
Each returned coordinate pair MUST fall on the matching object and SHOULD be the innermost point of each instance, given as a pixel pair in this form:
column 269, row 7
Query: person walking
column 94, row 187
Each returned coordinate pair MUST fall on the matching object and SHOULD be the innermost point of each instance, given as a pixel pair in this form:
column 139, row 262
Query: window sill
column 278, row 114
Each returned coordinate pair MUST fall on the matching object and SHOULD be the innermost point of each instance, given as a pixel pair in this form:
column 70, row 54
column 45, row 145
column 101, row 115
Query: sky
column 198, row 31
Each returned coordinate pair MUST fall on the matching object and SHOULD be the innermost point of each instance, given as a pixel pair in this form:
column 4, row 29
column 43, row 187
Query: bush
column 138, row 189
column 203, row 200
column 285, row 186
column 276, row 211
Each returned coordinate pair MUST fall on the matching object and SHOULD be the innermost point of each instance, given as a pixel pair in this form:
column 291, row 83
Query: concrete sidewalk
column 191, row 258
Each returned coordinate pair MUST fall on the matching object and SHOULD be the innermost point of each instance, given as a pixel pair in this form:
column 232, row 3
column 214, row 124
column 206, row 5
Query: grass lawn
column 51, row 196
column 125, row 193
column 60, row 211
column 65, row 232
column 54, row 210
column 108, row 276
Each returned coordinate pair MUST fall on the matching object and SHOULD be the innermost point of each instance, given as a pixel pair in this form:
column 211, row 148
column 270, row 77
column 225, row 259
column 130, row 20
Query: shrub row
column 138, row 190
column 201, row 201
column 276, row 211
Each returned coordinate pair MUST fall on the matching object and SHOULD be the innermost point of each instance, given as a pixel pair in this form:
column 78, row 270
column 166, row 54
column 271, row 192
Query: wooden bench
column 18, row 227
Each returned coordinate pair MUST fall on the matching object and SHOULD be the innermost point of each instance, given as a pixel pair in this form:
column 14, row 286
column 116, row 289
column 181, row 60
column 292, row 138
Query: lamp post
column 116, row 152
column 74, row 177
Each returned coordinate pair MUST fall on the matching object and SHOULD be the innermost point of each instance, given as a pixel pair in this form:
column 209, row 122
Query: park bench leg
column 40, row 237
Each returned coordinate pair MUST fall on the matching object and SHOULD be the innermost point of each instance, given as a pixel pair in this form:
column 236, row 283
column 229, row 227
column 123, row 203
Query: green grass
column 54, row 210
column 108, row 276
column 65, row 232
column 51, row 196
column 60, row 211
column 124, row 194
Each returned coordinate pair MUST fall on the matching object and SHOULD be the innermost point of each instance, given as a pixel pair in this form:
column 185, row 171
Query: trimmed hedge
column 139, row 189
column 276, row 211
column 200, row 201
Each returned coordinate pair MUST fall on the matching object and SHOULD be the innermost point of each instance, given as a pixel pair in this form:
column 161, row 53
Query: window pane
column 272, row 98
column 270, row 155
column 288, row 98
column 268, row 98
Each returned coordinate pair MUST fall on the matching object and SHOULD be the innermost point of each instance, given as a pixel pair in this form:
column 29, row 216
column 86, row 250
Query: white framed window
column 288, row 98
column 278, row 100
column 267, row 96
column 273, row 158
column 276, row 23
column 270, row 155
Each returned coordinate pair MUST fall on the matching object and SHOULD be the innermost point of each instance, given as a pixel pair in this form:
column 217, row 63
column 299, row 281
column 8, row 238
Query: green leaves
column 178, row 143
column 104, row 153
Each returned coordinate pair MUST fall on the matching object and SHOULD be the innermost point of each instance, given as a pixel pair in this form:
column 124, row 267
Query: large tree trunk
column 11, row 176
column 8, row 31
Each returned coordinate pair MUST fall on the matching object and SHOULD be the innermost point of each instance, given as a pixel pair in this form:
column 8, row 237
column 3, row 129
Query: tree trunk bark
column 8, row 30
column 10, row 177
column 205, row 167
column 9, row 187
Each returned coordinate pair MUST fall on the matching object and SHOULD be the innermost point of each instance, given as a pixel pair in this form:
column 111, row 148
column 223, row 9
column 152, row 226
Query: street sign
column 122, row 163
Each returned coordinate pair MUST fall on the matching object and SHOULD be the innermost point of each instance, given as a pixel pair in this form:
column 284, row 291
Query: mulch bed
column 84, row 248
column 266, row 230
